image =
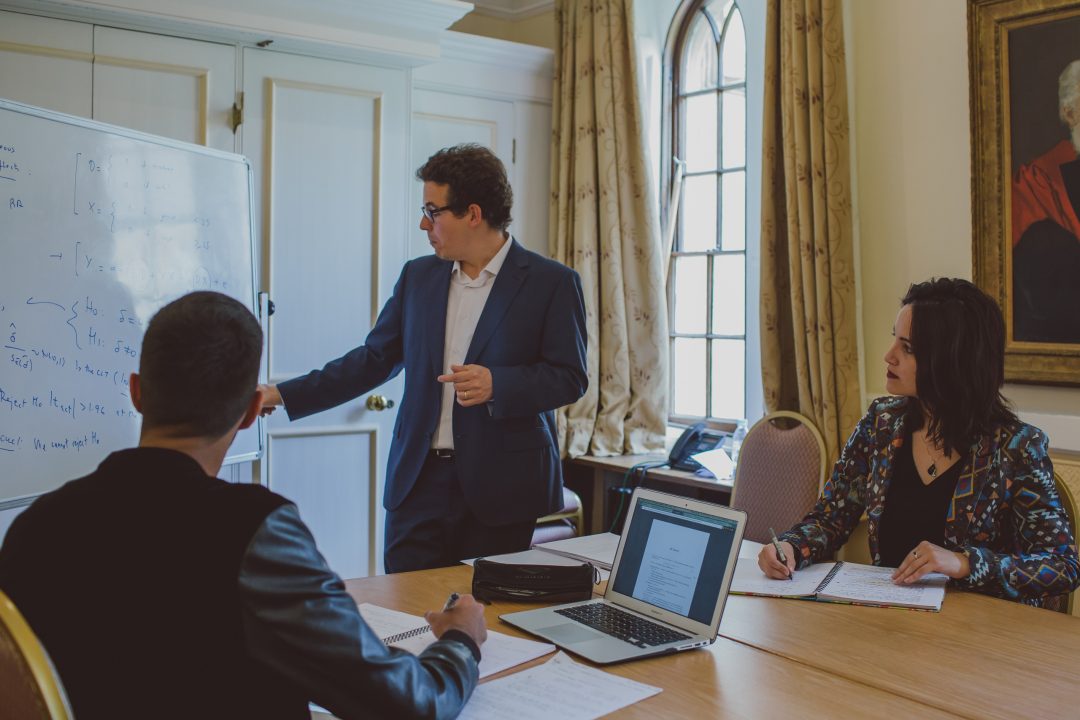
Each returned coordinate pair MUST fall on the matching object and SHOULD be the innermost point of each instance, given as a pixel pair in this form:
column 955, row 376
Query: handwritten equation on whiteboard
column 97, row 231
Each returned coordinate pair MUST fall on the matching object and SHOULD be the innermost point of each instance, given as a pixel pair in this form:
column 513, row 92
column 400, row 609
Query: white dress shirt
column 464, row 305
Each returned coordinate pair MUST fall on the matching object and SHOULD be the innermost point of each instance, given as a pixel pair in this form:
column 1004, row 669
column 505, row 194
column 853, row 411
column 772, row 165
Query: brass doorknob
column 378, row 402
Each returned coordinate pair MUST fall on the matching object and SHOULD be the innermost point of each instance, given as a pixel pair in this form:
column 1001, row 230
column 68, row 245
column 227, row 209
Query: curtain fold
column 808, row 334
column 604, row 225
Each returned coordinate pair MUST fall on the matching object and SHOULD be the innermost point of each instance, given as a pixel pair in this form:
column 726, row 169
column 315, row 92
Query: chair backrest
column 31, row 687
column 1069, row 501
column 780, row 473
column 567, row 523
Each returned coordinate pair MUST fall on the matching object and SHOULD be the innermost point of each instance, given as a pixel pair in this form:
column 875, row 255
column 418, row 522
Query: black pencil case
column 532, row 583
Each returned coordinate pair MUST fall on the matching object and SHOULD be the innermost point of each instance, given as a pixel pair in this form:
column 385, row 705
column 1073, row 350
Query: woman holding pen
column 950, row 480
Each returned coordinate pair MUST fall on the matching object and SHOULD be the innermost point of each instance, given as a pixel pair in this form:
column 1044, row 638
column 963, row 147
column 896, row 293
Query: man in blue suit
column 492, row 340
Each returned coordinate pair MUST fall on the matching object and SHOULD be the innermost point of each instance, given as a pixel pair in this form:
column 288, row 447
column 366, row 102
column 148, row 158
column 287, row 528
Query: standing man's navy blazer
column 531, row 336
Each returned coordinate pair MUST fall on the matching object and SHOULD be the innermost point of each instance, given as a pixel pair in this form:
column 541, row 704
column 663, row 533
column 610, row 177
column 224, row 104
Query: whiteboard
column 100, row 226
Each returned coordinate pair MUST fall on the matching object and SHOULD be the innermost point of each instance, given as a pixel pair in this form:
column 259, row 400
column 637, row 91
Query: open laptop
column 667, row 588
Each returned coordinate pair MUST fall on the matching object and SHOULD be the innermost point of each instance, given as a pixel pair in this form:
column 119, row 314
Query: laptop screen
column 675, row 558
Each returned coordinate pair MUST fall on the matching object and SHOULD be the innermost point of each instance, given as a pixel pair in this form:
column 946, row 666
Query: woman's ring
column 465, row 395
column 915, row 554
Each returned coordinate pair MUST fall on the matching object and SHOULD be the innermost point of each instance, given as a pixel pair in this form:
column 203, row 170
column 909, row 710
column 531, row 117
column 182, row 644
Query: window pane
column 733, row 231
column 729, row 295
column 734, row 128
column 734, row 51
column 699, row 66
column 689, row 295
column 719, row 9
column 728, row 378
column 700, row 132
column 698, row 213
column 688, row 377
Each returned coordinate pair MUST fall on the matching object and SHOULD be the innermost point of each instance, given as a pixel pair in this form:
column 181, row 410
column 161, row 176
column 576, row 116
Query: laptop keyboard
column 613, row 621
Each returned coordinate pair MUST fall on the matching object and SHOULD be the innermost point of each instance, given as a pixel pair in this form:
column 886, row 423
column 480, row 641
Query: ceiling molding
column 513, row 10
column 497, row 53
column 402, row 33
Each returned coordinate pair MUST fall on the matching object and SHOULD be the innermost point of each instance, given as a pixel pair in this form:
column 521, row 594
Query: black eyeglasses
column 430, row 212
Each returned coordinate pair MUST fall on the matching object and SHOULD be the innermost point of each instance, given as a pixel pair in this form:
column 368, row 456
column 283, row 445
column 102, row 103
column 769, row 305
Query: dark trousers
column 434, row 527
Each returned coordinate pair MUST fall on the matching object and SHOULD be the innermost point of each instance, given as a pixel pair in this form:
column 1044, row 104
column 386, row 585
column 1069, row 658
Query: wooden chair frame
column 577, row 516
column 36, row 658
column 1069, row 501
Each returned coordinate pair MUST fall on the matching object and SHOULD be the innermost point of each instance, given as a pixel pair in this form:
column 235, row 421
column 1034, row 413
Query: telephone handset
column 695, row 439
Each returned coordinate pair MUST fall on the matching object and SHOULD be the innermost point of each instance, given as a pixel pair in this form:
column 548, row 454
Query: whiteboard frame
column 253, row 303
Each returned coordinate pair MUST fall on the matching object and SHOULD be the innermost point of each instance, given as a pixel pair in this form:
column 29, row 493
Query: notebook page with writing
column 749, row 580
column 412, row 634
column 874, row 586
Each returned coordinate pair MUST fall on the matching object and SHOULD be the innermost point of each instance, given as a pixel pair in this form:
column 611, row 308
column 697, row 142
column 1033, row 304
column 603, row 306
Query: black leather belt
column 443, row 453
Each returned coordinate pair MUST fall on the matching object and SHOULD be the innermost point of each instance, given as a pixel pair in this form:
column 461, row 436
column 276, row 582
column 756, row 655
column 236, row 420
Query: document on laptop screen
column 671, row 566
column 675, row 559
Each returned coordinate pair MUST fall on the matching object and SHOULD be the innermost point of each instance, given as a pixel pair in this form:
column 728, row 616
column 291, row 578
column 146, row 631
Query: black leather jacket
column 299, row 621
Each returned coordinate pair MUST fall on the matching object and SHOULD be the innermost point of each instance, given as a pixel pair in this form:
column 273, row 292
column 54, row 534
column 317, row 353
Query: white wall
column 912, row 143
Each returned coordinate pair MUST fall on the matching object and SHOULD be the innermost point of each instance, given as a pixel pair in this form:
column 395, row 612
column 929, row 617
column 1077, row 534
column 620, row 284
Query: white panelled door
column 46, row 62
column 174, row 87
column 442, row 119
column 328, row 143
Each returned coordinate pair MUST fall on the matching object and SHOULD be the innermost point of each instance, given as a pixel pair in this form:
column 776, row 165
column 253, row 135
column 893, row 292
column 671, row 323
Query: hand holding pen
column 781, row 555
column 460, row 612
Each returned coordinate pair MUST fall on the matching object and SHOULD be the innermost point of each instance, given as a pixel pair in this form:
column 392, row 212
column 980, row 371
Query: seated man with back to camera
column 160, row 590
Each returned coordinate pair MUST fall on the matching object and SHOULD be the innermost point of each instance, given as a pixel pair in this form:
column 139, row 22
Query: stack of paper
column 560, row 688
column 598, row 549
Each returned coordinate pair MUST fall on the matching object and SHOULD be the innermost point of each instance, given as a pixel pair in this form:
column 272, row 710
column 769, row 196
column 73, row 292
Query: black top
column 913, row 511
column 154, row 585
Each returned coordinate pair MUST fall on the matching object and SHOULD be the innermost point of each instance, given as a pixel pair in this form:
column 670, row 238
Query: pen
column 780, row 552
column 451, row 601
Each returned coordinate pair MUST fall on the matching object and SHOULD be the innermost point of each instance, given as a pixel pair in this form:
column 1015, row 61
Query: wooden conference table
column 978, row 658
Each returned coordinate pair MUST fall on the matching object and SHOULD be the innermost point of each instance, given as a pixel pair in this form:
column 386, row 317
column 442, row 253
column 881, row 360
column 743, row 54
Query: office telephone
column 695, row 439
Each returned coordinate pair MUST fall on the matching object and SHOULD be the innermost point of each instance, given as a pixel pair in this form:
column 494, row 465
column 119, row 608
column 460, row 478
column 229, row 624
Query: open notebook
column 413, row 634
column 843, row 582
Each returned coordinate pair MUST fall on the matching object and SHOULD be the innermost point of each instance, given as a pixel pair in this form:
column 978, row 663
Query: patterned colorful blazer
column 1005, row 515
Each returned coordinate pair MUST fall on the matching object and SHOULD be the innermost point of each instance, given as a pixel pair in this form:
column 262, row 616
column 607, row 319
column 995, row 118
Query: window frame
column 680, row 31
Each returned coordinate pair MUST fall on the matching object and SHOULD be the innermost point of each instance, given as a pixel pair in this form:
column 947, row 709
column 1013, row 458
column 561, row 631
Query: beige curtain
column 809, row 351
column 604, row 225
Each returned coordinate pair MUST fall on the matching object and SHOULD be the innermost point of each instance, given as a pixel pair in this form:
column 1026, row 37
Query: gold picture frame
column 1025, row 186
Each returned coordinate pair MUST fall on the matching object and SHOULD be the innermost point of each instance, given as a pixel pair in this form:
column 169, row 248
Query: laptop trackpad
column 568, row 633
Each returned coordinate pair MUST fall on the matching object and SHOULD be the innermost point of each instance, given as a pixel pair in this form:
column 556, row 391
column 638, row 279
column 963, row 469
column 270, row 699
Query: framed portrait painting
column 1024, row 60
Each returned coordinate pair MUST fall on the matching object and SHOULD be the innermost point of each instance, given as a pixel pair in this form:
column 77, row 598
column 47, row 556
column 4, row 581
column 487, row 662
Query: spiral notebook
column 843, row 582
column 413, row 634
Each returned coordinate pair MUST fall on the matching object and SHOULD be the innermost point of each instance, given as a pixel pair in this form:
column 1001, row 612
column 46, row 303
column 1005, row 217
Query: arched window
column 707, row 289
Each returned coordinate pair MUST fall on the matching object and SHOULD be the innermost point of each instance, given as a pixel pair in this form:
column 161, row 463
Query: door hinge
column 513, row 152
column 236, row 115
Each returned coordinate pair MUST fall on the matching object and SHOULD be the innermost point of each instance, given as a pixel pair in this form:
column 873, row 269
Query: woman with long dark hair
column 950, row 480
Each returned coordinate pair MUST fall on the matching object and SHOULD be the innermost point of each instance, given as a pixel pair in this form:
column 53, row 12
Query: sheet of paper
column 598, row 549
column 867, row 583
column 538, row 557
column 499, row 653
column 749, row 580
column 718, row 462
column 560, row 688
column 750, row 550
